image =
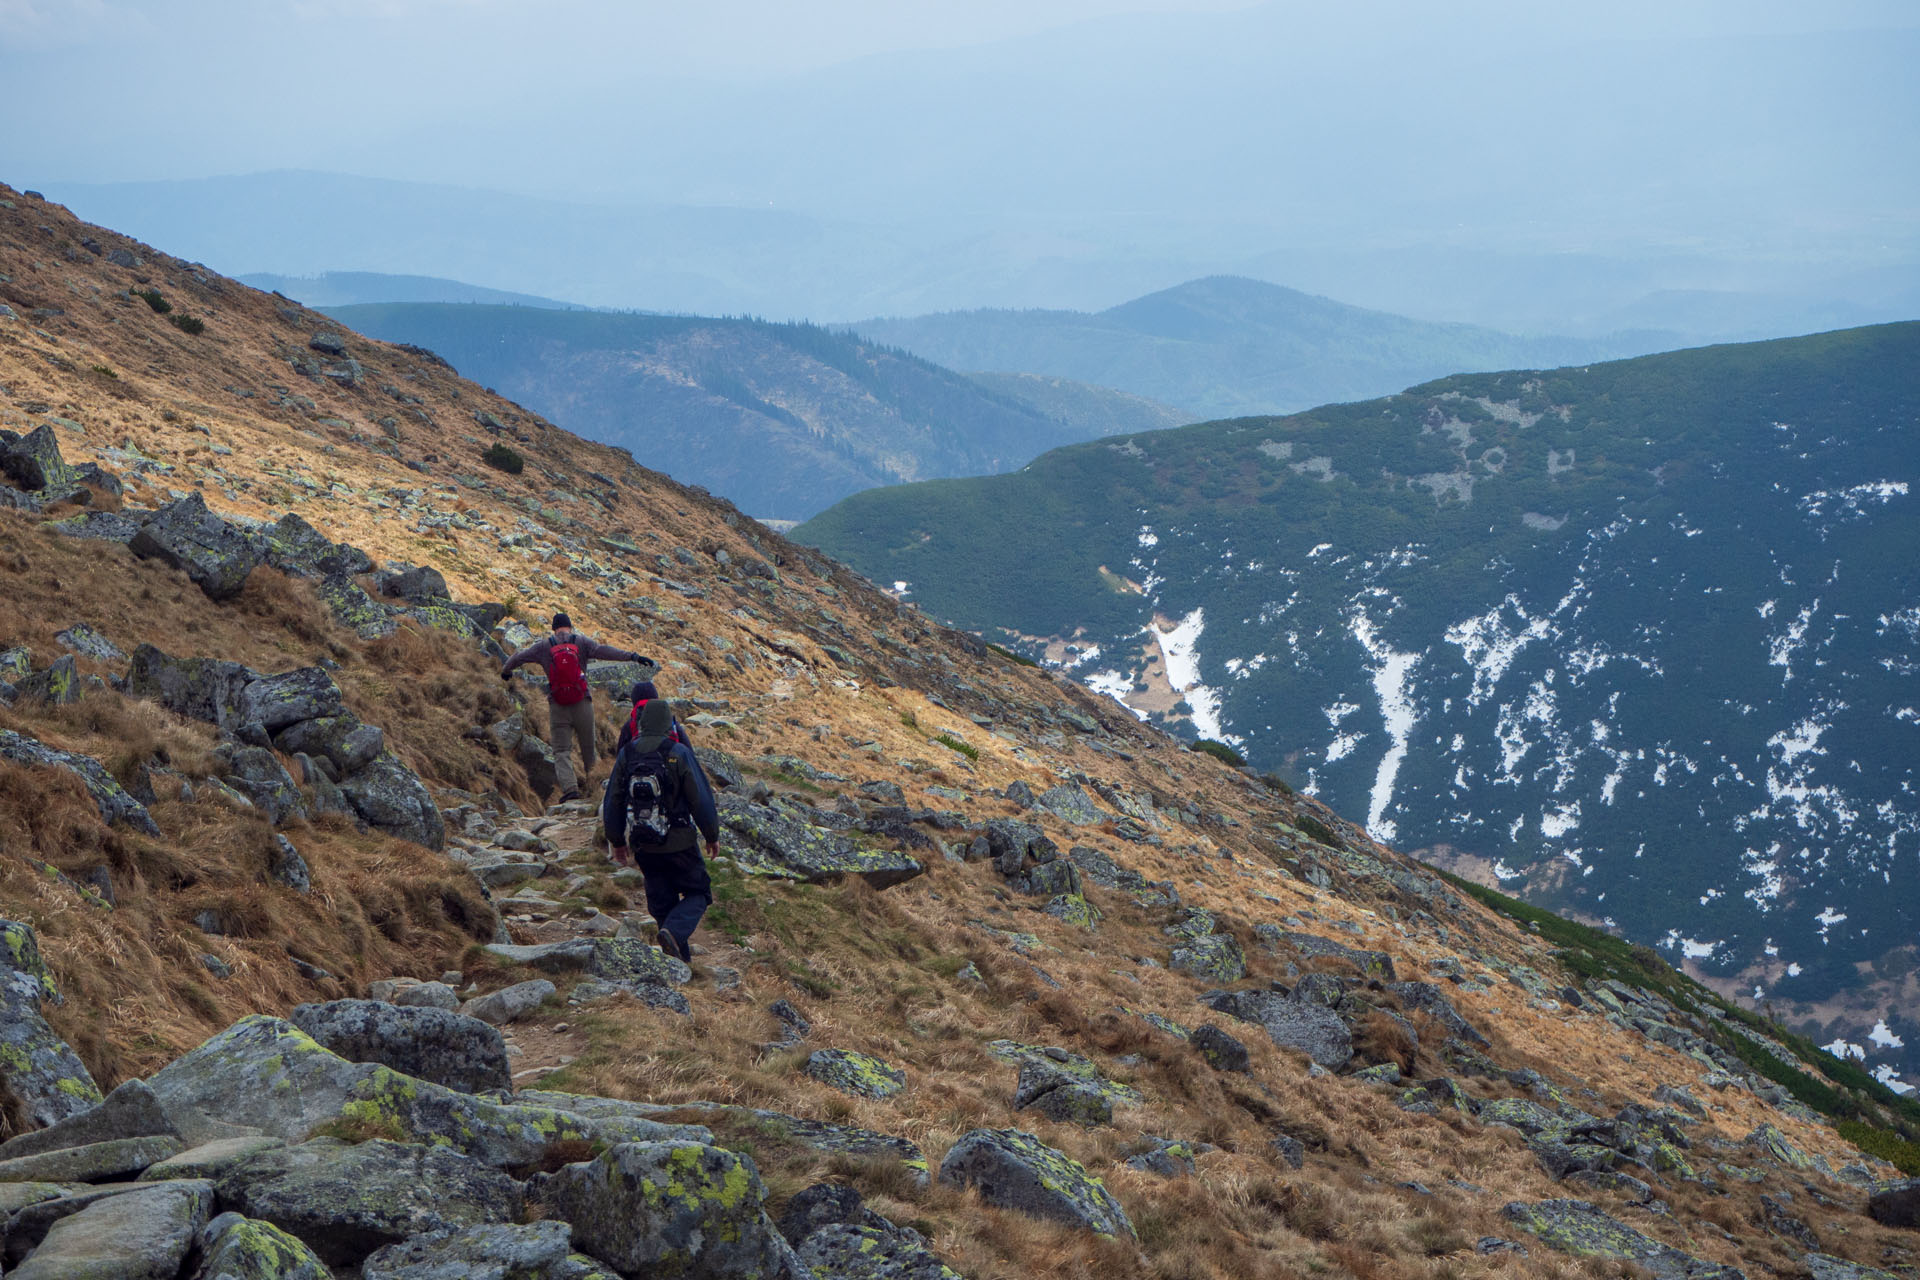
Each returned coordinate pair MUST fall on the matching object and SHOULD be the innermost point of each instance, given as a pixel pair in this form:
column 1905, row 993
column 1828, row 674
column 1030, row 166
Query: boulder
column 1374, row 964
column 96, row 526
column 1072, row 805
column 532, row 755
column 206, row 689
column 1896, row 1204
column 451, row 1049
column 1424, row 997
column 826, row 1204
column 391, row 798
column 341, row 739
column 615, row 959
column 1222, row 1051
column 510, row 1003
column 236, row 1247
column 277, row 701
column 1313, row 1029
column 113, row 1159
column 257, row 774
column 143, row 1234
column 844, row 1251
column 671, row 1209
column 41, row 1079
column 1213, row 957
column 1579, row 1228
column 416, row 584
column 354, row 609
column 210, row 1159
column 537, row 1251
column 774, row 841
column 1012, row 1169
column 286, row 867
column 130, row 1111
column 428, row 995
column 1165, row 1157
column 88, row 643
column 33, row 463
column 1011, row 843
column 185, row 535
column 108, row 796
column 1822, row 1266
column 293, row 546
column 346, row 1201
column 58, row 683
column 856, row 1073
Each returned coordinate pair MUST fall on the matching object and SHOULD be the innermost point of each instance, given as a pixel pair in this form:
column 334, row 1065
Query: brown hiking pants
column 564, row 725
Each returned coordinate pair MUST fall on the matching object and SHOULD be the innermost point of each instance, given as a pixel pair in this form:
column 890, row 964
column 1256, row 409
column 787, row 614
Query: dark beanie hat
column 656, row 719
column 642, row 689
column 561, row 620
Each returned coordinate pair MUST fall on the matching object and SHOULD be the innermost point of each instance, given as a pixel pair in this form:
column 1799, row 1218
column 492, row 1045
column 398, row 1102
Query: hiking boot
column 567, row 796
column 671, row 945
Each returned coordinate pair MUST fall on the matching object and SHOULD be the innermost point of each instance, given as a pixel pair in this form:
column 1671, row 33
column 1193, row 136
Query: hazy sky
column 1012, row 151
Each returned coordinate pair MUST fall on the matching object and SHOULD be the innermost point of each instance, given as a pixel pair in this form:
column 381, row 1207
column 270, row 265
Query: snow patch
column 1392, row 685
column 1883, row 1036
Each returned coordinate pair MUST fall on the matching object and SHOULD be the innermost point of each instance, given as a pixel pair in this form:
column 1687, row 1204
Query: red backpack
column 633, row 724
column 566, row 678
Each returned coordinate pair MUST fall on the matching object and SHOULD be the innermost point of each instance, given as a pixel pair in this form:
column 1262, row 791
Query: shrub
column 153, row 299
column 188, row 324
column 501, row 458
column 1011, row 656
column 1219, row 751
column 1278, row 783
column 952, row 743
column 1314, row 829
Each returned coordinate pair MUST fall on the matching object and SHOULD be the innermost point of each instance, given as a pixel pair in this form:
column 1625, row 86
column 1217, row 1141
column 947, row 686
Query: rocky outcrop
column 1012, row 1169
column 1304, row 1025
column 247, row 1249
column 1896, row 1204
column 856, row 1073
column 391, row 798
column 451, row 1049
column 778, row 840
column 43, row 1081
column 144, row 1233
column 1579, row 1228
column 295, row 547
column 672, row 1209
column 112, row 800
column 494, row 1251
column 215, row 553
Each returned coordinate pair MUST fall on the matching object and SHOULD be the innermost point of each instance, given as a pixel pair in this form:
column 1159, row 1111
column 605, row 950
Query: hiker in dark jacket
column 678, row 890
column 564, row 656
column 642, row 693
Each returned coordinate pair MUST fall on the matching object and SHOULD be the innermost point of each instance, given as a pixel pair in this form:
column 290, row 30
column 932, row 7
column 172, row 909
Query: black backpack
column 655, row 805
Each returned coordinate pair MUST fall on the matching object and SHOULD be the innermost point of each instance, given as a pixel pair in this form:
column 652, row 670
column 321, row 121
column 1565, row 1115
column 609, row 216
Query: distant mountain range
column 348, row 288
column 1640, row 640
column 784, row 419
column 1226, row 346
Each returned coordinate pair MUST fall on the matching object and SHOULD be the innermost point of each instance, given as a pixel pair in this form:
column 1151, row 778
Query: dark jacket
column 693, row 785
column 626, row 732
column 540, row 653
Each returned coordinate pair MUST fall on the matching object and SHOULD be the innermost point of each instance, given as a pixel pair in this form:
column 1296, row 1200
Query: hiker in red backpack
column 564, row 656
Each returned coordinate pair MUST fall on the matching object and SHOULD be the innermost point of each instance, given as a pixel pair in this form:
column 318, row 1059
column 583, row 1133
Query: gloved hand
column 621, row 855
column 506, row 675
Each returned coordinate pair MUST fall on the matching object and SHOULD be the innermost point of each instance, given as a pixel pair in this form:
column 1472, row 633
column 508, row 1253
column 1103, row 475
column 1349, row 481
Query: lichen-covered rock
column 1011, row 843
column 451, row 1049
column 1777, row 1145
column 825, row 1204
column 206, row 689
column 535, row 756
column 509, row 1003
column 1424, row 997
column 392, row 799
column 1896, row 1204
column 88, row 643
column 1431, row 1097
column 671, row 1209
column 1051, row 879
column 142, row 1234
column 244, row 1248
column 1071, row 804
column 1222, row 1051
column 257, row 774
column 210, row 1159
column 286, row 867
column 41, row 1079
column 95, row 526
column 1071, row 908
column 818, row 1135
column 845, row 1251
column 346, row 1201
column 770, row 841
column 856, row 1073
column 214, row 553
column 276, row 701
column 58, row 684
column 343, row 739
column 416, row 584
column 614, row 959
column 1579, row 1228
column 1061, row 1085
column 108, row 796
column 537, row 1251
column 1166, row 1157
column 115, row 1158
column 130, row 1111
column 1374, row 964
column 1313, row 1029
column 1524, row 1114
column 1012, row 1169
column 33, row 463
column 1822, row 1266
column 354, row 609
column 296, row 547
column 1213, row 957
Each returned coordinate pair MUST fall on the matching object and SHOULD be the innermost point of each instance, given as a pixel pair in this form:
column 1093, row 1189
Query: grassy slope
column 875, row 972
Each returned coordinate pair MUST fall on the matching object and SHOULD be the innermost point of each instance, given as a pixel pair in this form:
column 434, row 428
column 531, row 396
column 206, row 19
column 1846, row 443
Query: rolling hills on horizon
column 783, row 419
column 1636, row 639
column 1226, row 346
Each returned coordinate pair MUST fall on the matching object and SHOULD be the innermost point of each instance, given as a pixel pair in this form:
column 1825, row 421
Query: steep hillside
column 783, row 419
column 980, row 938
column 1224, row 346
column 1636, row 639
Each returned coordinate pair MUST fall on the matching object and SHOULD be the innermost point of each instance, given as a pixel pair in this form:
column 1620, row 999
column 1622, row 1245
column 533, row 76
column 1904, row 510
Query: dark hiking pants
column 678, row 891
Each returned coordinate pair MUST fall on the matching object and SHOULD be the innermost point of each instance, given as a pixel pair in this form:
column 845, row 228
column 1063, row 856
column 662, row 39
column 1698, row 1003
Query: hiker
column 658, row 809
column 564, row 656
column 642, row 693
